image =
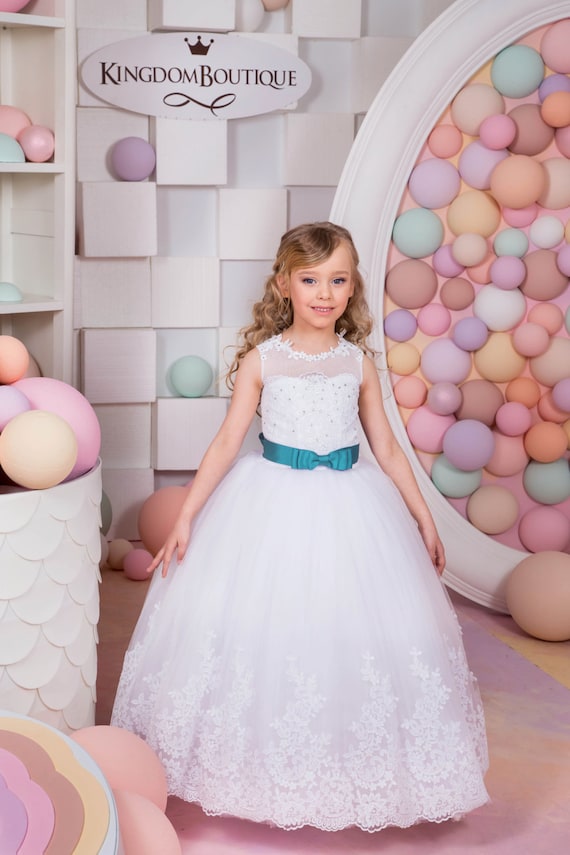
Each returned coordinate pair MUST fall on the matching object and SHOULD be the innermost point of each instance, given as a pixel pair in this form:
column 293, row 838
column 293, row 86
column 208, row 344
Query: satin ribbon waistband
column 301, row 458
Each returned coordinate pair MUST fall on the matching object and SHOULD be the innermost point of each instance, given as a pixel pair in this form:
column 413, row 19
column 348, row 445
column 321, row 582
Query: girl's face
column 319, row 293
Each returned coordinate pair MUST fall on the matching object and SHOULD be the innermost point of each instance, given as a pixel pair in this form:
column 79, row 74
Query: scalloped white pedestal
column 50, row 547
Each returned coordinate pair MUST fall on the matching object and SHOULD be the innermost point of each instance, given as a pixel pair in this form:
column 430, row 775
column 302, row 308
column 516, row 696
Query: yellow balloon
column 38, row 449
column 498, row 360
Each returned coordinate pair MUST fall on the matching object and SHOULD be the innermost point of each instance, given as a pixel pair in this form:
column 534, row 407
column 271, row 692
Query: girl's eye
column 339, row 281
column 307, row 280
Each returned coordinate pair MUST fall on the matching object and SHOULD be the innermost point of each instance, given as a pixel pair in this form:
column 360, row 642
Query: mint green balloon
column 453, row 482
column 418, row 232
column 10, row 150
column 517, row 71
column 511, row 242
column 547, row 483
column 191, row 376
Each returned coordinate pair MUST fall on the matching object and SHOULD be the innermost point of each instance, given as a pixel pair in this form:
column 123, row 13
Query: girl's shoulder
column 272, row 343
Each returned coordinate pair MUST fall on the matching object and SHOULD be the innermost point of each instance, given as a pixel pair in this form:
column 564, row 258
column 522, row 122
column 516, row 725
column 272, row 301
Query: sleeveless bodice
column 310, row 400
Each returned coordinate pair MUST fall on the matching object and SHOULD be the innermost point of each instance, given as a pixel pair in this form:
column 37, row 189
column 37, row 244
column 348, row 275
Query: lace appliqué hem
column 392, row 766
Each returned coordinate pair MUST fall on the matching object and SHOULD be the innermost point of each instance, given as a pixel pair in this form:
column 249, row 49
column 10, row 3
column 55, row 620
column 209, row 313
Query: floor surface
column 525, row 684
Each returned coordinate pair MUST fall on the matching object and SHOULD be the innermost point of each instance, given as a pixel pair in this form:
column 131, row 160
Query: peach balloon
column 14, row 359
column 544, row 528
column 556, row 191
column 126, row 761
column 457, row 293
column 545, row 442
column 12, row 120
column 274, row 5
column 474, row 211
column 548, row 411
column 554, row 46
column 555, row 109
column 492, row 509
column 145, row 830
column 530, row 339
column 403, row 358
column 37, row 449
column 548, row 315
column 498, row 360
column 524, row 390
column 474, row 103
column 469, row 249
column 158, row 514
column 552, row 366
column 509, row 457
column 538, row 595
column 445, row 140
column 411, row 283
column 410, row 392
column 518, row 181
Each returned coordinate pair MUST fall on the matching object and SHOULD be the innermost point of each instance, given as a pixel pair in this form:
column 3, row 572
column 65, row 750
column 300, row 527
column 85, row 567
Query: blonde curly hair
column 303, row 246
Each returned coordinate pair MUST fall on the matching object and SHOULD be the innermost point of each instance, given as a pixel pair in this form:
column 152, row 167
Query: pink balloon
column 443, row 360
column 410, row 392
column 563, row 259
column 434, row 183
column 497, row 131
column 136, row 563
column 561, row 394
column 426, row 429
column 145, row 829
column 55, row 396
column 434, row 319
column 513, row 418
column 531, row 339
column 12, row 119
column 518, row 218
column 544, row 528
column 37, row 143
column 508, row 272
column 562, row 139
column 468, row 444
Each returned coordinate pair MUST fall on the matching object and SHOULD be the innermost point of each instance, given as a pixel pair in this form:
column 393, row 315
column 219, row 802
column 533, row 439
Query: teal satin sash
column 301, row 458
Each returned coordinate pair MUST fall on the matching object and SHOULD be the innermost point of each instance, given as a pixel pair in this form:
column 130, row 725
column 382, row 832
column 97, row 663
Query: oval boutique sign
column 195, row 76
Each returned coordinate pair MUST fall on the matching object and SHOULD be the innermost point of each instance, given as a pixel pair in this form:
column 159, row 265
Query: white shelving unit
column 37, row 200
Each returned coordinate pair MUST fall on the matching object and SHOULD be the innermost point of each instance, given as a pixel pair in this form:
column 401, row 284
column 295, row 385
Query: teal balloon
column 511, row 242
column 106, row 513
column 418, row 232
column 10, row 293
column 191, row 376
column 517, row 71
column 453, row 482
column 547, row 483
column 10, row 150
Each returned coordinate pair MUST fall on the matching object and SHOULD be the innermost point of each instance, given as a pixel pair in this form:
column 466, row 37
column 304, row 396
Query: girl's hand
column 176, row 542
column 434, row 547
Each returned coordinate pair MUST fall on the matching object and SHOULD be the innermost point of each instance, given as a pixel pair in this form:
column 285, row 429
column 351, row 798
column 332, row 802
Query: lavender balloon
column 133, row 159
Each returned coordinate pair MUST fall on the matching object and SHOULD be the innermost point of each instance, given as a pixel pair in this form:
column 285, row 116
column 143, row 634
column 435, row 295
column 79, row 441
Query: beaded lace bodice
column 310, row 400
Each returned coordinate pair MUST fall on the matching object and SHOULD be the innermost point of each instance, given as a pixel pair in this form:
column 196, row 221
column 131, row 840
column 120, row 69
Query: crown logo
column 199, row 48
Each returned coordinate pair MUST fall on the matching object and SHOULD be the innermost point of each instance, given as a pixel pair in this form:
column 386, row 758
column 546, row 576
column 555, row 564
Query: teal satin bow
column 303, row 458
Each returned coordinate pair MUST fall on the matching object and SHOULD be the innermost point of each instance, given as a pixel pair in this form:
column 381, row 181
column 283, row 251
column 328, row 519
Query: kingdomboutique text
column 202, row 75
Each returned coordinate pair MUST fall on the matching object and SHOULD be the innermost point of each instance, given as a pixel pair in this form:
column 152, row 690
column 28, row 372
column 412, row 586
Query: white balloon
column 249, row 15
column 546, row 232
column 500, row 310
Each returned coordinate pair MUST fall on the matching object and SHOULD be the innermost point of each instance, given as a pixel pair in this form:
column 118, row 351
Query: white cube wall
column 112, row 292
column 97, row 133
column 119, row 366
column 118, row 219
column 191, row 152
column 196, row 15
column 372, row 61
column 251, row 222
column 127, row 490
column 128, row 14
column 185, row 292
column 333, row 19
column 322, row 162
column 125, row 435
column 182, row 430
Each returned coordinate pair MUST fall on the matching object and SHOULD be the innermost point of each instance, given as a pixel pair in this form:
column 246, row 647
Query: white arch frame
column 438, row 63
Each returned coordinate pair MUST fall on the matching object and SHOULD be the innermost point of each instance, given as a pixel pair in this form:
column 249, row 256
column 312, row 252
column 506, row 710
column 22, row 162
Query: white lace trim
column 277, row 342
column 393, row 769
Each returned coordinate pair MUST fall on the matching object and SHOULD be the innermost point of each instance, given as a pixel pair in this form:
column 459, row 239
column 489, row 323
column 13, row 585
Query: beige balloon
column 274, row 5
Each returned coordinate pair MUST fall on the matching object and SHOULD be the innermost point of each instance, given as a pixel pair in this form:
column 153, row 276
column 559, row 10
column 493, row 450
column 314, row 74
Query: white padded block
column 187, row 221
column 228, row 342
column 125, row 435
column 98, row 129
column 185, row 292
column 251, row 222
column 310, row 204
column 191, row 152
column 127, row 490
column 214, row 15
column 372, row 61
column 326, row 19
column 90, row 40
column 119, row 366
column 386, row 18
column 128, row 14
column 256, row 151
column 330, row 64
column 318, row 164
column 112, row 292
column 242, row 285
column 182, row 429
column 171, row 344
column 118, row 219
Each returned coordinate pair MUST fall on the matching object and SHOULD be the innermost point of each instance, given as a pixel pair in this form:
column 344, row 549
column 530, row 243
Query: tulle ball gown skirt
column 303, row 664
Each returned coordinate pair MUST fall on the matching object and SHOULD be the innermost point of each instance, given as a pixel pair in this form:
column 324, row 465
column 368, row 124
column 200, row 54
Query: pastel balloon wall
column 460, row 210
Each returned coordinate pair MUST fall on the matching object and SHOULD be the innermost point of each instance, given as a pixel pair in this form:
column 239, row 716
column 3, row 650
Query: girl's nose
column 324, row 291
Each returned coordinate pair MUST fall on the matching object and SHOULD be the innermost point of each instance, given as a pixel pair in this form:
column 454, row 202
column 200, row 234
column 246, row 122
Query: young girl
column 297, row 661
